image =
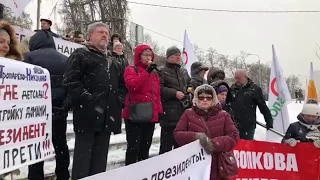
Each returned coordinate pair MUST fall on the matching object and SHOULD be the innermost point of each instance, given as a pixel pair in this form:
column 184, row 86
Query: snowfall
column 118, row 143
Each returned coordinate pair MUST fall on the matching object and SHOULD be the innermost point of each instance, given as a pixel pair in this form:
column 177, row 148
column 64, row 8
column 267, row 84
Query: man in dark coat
column 198, row 70
column 118, row 54
column 46, row 26
column 246, row 96
column 174, row 82
column 43, row 53
column 92, row 78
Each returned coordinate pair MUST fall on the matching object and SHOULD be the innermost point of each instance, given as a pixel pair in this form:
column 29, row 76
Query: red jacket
column 139, row 86
column 224, row 134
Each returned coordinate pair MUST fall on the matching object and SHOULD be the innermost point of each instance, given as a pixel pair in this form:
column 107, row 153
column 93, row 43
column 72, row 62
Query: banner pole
column 271, row 129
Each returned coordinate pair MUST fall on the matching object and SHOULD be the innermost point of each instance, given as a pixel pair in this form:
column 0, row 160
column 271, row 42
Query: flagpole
column 38, row 13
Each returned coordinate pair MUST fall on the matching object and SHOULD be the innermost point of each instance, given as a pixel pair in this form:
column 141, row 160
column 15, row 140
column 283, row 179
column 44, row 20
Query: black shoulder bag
column 141, row 112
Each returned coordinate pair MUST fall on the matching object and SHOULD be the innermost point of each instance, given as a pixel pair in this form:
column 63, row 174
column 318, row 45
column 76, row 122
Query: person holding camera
column 174, row 82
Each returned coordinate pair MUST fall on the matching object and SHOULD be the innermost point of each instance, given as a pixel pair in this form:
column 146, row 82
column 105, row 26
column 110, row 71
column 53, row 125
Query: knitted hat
column 172, row 51
column 221, row 89
column 311, row 109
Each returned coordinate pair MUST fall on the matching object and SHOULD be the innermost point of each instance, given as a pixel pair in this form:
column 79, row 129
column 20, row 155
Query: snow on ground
column 117, row 156
column 293, row 109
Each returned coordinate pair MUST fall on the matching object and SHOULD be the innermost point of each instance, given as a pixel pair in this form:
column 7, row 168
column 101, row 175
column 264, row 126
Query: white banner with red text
column 189, row 162
column 25, row 115
column 259, row 160
column 62, row 46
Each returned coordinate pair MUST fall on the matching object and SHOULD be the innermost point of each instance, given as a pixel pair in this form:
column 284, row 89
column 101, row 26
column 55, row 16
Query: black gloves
column 269, row 125
column 151, row 67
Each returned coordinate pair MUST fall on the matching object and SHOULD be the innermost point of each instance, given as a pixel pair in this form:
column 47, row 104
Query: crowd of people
column 101, row 88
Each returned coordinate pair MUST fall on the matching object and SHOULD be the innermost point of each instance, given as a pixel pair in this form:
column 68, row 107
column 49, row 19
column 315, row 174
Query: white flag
column 279, row 97
column 17, row 6
column 189, row 56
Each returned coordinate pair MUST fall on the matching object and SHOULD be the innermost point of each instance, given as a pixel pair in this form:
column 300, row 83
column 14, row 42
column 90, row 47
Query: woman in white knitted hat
column 307, row 129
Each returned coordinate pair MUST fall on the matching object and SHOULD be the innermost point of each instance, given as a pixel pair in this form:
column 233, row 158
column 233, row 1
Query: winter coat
column 245, row 100
column 122, row 88
column 92, row 79
column 139, row 85
column 227, row 106
column 197, row 81
column 43, row 53
column 223, row 133
column 302, row 131
column 173, row 78
column 14, row 52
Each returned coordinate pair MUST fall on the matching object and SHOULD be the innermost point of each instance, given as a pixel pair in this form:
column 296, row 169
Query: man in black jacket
column 43, row 53
column 246, row 96
column 46, row 26
column 174, row 82
column 93, row 78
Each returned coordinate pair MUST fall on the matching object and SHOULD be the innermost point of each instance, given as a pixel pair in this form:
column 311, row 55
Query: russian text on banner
column 62, row 46
column 25, row 115
column 259, row 160
column 189, row 162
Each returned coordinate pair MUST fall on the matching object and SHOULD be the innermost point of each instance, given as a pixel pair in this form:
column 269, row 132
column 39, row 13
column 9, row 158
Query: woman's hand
column 205, row 142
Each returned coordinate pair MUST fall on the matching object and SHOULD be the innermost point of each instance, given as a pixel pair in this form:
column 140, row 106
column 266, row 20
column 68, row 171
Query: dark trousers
column 90, row 151
column 167, row 141
column 247, row 134
column 59, row 140
column 139, row 140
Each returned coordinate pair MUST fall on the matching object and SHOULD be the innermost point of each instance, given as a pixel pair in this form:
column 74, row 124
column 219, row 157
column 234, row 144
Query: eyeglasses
column 201, row 98
column 147, row 55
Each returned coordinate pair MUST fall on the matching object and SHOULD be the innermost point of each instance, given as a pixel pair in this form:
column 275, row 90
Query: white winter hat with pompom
column 311, row 109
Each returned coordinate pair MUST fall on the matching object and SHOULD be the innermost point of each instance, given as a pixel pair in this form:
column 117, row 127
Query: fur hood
column 14, row 52
column 204, row 86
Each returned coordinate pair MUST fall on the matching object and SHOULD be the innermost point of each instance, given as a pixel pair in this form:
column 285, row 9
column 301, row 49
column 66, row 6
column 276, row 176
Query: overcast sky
column 294, row 35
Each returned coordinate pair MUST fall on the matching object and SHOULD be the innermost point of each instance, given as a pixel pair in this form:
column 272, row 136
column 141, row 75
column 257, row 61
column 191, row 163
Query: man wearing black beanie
column 174, row 82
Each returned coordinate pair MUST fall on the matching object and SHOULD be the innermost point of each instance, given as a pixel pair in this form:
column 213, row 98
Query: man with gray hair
column 92, row 77
column 246, row 96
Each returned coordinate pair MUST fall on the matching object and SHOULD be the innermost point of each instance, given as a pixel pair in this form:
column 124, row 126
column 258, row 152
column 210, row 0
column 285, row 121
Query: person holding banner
column 246, row 96
column 307, row 129
column 43, row 53
column 207, row 122
column 9, row 45
column 92, row 77
column 9, row 48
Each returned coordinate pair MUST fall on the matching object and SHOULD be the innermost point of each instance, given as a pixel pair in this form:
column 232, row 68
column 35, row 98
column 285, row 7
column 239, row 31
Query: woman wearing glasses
column 210, row 124
column 142, row 104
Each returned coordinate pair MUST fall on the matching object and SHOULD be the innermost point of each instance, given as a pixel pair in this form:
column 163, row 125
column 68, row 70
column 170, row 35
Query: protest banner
column 62, row 46
column 259, row 160
column 189, row 162
column 25, row 115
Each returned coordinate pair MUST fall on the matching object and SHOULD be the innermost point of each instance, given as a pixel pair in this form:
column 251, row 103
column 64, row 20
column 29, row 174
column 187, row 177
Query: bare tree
column 199, row 53
column 293, row 84
column 23, row 20
column 211, row 57
column 154, row 44
column 254, row 74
